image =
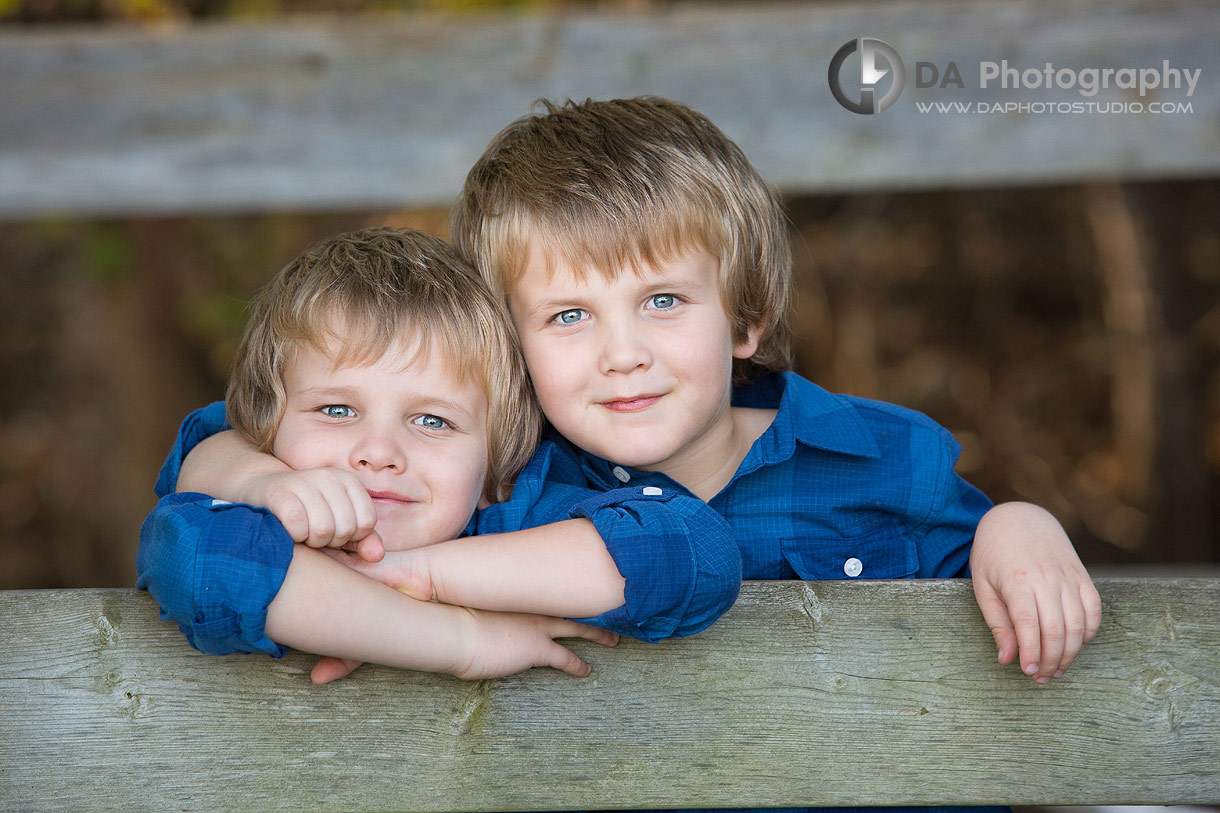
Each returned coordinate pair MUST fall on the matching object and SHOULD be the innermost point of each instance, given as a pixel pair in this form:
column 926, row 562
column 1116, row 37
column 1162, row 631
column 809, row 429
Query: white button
column 620, row 473
column 652, row 491
column 853, row 567
column 218, row 503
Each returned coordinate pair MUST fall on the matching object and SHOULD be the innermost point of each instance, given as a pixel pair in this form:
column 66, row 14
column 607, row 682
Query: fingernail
column 1042, row 679
column 1031, row 669
column 1058, row 673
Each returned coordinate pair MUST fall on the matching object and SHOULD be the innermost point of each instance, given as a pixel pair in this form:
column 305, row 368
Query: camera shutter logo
column 873, row 55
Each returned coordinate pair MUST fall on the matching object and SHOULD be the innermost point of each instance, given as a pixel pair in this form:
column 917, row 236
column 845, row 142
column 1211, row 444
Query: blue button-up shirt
column 836, row 487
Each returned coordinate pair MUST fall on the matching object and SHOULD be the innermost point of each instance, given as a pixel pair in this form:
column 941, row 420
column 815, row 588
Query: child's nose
column 624, row 349
column 377, row 450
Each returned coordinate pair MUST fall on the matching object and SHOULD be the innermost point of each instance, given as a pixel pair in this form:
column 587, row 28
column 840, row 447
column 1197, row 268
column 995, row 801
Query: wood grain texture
column 805, row 693
column 365, row 113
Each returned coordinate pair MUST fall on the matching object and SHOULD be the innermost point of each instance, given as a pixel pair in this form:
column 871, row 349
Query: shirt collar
column 807, row 414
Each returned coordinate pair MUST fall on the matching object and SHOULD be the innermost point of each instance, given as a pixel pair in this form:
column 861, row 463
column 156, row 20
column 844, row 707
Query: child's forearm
column 325, row 608
column 223, row 464
column 558, row 569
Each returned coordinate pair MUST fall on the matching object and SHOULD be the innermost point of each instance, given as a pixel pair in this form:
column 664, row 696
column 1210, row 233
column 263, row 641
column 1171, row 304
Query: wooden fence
column 844, row 693
column 365, row 113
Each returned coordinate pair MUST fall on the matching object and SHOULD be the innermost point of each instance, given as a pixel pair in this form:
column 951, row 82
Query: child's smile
column 636, row 369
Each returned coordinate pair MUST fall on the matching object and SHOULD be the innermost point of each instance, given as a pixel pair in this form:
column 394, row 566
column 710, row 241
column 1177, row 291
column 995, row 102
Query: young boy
column 646, row 267
column 379, row 364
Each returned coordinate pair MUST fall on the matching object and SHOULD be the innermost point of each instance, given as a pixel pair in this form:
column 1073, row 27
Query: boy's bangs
column 361, row 338
column 593, row 241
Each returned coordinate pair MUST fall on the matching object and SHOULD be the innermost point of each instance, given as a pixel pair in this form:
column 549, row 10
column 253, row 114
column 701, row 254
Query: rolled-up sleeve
column 681, row 564
column 951, row 510
column 199, row 425
column 213, row 568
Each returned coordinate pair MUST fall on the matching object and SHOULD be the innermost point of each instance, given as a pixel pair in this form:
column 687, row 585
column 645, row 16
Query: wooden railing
column 845, row 693
column 358, row 112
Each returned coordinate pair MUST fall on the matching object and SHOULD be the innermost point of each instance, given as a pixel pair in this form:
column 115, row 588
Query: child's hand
column 323, row 508
column 502, row 644
column 1033, row 590
column 507, row 643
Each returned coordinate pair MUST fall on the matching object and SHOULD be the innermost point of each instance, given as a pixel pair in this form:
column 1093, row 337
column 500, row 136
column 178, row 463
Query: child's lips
column 633, row 403
column 389, row 497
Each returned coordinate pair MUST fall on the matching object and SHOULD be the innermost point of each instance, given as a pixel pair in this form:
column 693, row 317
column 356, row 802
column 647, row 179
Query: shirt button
column 652, row 491
column 853, row 567
column 620, row 474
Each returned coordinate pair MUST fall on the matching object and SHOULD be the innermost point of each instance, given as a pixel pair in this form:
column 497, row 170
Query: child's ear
column 748, row 345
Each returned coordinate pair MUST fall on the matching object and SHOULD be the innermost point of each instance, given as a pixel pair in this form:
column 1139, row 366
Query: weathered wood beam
column 805, row 693
column 377, row 112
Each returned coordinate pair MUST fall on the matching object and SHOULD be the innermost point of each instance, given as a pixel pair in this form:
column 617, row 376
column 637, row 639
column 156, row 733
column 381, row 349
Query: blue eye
column 570, row 317
column 431, row 422
column 338, row 411
column 663, row 301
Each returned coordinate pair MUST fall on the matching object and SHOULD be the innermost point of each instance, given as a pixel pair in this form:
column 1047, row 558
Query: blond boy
column 646, row 267
column 377, row 363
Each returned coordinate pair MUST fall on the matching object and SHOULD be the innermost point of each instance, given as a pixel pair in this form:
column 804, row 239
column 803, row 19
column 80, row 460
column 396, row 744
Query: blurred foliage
column 985, row 309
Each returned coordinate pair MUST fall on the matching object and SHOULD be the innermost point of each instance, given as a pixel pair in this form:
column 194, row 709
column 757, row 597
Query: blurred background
column 1048, row 288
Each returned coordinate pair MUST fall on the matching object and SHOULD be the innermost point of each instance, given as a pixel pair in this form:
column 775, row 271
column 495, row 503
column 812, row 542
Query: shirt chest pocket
column 883, row 555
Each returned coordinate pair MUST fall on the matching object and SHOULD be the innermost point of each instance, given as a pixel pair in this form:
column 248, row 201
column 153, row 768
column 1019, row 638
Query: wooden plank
column 376, row 112
column 828, row 693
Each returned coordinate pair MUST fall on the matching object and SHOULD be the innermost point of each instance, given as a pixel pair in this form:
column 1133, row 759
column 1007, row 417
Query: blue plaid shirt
column 837, row 487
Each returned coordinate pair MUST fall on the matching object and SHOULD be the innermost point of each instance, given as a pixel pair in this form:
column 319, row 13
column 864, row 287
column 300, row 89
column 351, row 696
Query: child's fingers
column 343, row 518
column 371, row 548
column 1074, row 629
column 320, row 519
column 996, row 616
column 1051, row 638
column 594, row 634
column 292, row 514
column 558, row 656
column 365, row 514
column 1023, row 610
column 1091, row 600
column 328, row 669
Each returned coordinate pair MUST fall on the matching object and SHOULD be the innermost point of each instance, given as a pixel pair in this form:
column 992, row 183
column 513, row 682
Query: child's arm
column 558, row 569
column 323, row 607
column 637, row 561
column 1032, row 589
column 234, row 582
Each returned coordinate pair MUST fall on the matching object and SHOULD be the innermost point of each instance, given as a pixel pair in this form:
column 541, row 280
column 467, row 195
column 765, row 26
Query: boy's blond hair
column 360, row 292
column 610, row 184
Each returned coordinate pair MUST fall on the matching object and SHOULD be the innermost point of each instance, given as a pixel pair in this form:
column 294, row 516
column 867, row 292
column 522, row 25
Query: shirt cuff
column 196, row 427
column 214, row 568
column 678, row 556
